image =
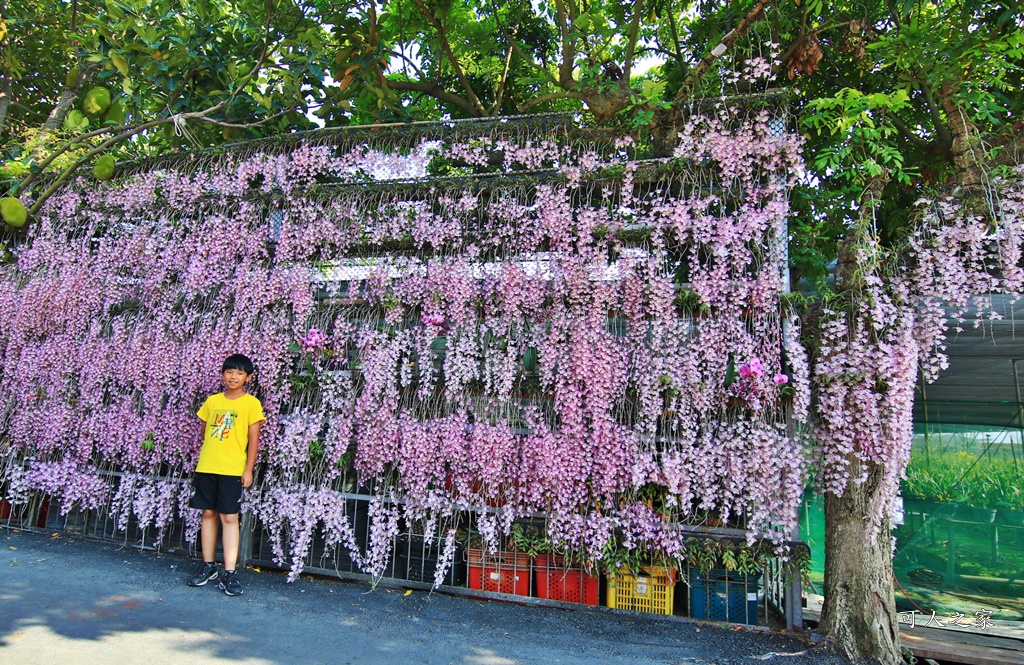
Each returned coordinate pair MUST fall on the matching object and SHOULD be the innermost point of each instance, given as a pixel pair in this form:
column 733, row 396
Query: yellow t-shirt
column 227, row 433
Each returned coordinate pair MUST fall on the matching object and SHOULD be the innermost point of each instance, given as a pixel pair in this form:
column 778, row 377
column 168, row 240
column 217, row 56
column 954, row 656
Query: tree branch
column 565, row 79
column 797, row 42
column 60, row 150
column 123, row 136
column 408, row 60
column 437, row 92
column 529, row 59
column 499, row 97
column 5, row 97
column 568, row 94
column 56, row 117
column 246, row 125
column 933, row 107
column 634, row 32
column 728, row 41
column 964, row 133
column 934, row 146
column 476, row 105
column 377, row 69
column 675, row 39
column 893, row 14
column 25, row 109
column 130, row 130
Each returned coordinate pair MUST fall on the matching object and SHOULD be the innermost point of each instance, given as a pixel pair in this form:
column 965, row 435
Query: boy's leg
column 229, row 504
column 208, row 538
column 208, row 535
column 204, row 496
column 230, row 537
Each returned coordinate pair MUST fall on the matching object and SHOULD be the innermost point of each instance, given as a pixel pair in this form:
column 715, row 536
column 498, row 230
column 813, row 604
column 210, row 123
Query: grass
column 987, row 477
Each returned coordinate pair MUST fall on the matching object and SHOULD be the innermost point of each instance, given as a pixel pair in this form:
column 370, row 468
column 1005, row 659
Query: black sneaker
column 207, row 572
column 229, row 584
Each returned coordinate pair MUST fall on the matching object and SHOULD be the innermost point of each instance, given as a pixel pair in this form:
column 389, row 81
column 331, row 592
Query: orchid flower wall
column 556, row 326
column 873, row 345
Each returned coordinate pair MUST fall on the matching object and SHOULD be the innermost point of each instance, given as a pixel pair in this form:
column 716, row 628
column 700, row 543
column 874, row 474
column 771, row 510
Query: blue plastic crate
column 720, row 595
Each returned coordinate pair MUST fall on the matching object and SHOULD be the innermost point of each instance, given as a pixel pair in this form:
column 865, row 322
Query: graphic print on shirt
column 222, row 423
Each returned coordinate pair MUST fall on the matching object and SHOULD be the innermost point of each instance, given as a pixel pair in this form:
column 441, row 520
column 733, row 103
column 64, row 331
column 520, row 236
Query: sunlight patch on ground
column 487, row 657
column 39, row 645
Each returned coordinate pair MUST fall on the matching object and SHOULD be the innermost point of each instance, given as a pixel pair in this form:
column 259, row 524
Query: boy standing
column 231, row 429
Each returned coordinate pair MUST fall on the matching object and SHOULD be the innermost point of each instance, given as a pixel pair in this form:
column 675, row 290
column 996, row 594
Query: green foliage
column 884, row 102
column 708, row 553
column 985, row 480
column 137, row 62
column 617, row 557
column 530, row 538
column 75, row 121
column 866, row 151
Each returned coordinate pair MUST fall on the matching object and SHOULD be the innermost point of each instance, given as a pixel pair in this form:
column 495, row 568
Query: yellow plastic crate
column 652, row 591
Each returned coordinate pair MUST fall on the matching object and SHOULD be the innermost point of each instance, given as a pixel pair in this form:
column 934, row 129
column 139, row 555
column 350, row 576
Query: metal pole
column 924, row 404
column 792, row 582
column 1020, row 412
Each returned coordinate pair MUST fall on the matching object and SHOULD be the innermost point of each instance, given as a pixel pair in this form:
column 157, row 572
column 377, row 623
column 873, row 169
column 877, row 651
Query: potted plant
column 725, row 579
column 639, row 580
column 505, row 571
column 559, row 575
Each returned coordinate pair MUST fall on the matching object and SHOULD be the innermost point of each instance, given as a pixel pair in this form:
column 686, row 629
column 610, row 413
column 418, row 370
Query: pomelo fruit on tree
column 104, row 168
column 96, row 101
column 114, row 114
column 13, row 212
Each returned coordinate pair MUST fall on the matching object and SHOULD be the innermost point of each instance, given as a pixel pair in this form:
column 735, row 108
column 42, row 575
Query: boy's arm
column 250, row 453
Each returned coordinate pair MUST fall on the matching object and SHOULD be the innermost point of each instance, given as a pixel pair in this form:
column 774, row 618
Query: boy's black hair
column 238, row 361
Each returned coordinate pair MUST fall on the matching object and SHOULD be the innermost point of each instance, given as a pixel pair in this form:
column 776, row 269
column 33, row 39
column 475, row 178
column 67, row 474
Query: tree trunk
column 605, row 105
column 967, row 163
column 859, row 614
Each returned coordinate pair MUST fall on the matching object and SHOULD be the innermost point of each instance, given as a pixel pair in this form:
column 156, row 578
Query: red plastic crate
column 571, row 585
column 502, row 572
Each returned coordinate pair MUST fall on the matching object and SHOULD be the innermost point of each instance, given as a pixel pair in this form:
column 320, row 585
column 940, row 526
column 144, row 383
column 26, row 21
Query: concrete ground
column 68, row 600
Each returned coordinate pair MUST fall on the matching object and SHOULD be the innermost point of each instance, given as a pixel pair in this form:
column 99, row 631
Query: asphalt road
column 67, row 600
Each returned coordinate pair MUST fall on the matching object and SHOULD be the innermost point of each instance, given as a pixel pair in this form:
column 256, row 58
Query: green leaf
column 119, row 62
column 653, row 90
column 730, row 372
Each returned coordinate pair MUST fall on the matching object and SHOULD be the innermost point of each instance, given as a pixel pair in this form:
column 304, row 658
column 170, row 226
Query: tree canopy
column 879, row 87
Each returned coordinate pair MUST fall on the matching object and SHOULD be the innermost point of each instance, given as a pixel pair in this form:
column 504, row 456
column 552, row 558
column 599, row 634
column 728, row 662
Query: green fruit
column 104, row 169
column 96, row 102
column 72, row 78
column 13, row 212
column 114, row 114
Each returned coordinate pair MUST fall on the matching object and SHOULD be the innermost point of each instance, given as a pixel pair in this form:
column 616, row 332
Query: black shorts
column 212, row 491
